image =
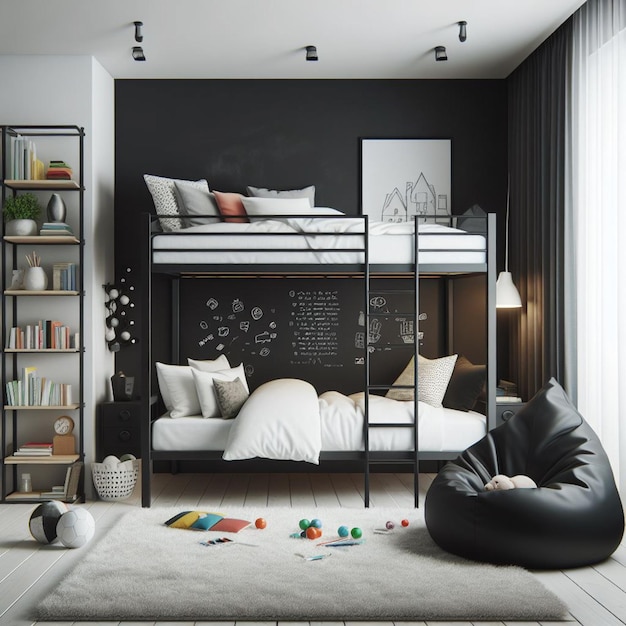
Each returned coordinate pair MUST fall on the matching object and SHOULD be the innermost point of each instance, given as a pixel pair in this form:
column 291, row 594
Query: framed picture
column 402, row 178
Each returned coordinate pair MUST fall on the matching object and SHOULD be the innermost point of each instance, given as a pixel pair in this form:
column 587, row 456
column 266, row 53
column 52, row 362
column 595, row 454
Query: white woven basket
column 114, row 484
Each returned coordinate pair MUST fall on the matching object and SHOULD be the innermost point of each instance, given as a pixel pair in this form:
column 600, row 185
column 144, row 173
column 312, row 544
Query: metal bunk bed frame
column 366, row 271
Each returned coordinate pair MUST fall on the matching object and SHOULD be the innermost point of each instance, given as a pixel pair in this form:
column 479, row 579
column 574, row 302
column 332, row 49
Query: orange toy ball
column 405, row 522
column 260, row 523
column 313, row 533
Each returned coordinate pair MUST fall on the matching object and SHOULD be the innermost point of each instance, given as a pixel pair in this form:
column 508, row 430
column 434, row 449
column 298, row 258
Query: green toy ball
column 304, row 523
column 356, row 533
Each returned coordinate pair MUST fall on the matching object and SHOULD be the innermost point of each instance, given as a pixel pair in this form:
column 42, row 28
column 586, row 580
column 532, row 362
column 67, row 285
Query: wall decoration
column 119, row 307
column 402, row 178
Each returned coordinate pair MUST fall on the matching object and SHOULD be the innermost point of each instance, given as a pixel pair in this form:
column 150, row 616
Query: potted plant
column 20, row 213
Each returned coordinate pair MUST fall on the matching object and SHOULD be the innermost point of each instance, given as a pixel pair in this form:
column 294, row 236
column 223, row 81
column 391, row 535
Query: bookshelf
column 56, row 364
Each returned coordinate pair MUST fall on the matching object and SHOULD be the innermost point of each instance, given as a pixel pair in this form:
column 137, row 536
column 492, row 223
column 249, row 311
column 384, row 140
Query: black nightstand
column 118, row 429
column 506, row 410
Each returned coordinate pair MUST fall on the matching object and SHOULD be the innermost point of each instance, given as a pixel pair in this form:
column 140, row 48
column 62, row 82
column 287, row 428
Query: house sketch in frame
column 402, row 178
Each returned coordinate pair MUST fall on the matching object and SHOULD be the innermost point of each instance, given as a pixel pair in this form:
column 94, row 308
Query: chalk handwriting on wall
column 314, row 327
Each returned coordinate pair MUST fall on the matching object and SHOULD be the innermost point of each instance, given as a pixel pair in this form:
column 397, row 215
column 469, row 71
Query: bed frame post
column 146, row 360
column 491, row 322
column 416, row 345
column 366, row 363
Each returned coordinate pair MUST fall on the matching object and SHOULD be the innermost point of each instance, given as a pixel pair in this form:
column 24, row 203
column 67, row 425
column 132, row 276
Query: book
column 72, row 480
column 508, row 399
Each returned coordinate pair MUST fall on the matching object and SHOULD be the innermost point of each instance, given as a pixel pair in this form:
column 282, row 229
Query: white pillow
column 221, row 363
column 164, row 197
column 262, row 192
column 178, row 390
column 205, row 390
column 177, row 387
column 264, row 207
column 432, row 383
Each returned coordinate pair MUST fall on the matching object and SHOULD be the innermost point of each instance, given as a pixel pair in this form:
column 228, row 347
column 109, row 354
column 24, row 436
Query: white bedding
column 327, row 240
column 302, row 425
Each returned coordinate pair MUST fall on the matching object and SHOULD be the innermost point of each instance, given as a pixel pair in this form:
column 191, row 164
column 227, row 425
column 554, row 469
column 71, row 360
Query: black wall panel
column 288, row 134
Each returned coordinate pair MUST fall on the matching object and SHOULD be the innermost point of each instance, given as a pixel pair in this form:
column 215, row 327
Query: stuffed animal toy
column 500, row 482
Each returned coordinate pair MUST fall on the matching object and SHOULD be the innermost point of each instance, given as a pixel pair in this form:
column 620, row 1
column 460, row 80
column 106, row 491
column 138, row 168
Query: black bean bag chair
column 573, row 518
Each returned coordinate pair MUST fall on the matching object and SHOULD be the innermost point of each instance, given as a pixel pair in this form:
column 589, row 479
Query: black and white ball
column 75, row 528
column 43, row 520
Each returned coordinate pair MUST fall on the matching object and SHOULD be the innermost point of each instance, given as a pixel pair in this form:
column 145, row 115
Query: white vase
column 35, row 279
column 21, row 228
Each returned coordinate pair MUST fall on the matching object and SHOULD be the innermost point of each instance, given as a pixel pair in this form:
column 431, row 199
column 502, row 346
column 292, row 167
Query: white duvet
column 285, row 420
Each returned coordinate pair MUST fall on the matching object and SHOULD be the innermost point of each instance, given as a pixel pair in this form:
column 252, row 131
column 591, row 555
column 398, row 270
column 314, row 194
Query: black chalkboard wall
column 287, row 134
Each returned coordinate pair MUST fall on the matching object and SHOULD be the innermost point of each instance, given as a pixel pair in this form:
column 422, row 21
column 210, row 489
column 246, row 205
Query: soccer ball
column 43, row 520
column 75, row 527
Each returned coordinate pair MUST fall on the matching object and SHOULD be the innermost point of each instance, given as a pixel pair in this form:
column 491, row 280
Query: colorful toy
column 356, row 532
column 260, row 523
column 390, row 525
column 313, row 532
column 43, row 521
column 304, row 523
column 316, row 523
column 343, row 531
column 405, row 522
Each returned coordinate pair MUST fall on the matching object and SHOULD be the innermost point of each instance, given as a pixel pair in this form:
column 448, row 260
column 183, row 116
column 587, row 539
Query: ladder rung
column 391, row 424
column 385, row 387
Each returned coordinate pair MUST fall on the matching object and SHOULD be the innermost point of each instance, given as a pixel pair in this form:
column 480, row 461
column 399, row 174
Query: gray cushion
column 262, row 192
column 193, row 202
column 230, row 396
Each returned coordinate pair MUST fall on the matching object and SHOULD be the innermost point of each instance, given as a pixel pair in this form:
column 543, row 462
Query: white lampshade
column 507, row 295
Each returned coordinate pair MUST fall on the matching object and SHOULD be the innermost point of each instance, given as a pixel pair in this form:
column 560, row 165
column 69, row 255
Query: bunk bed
column 316, row 242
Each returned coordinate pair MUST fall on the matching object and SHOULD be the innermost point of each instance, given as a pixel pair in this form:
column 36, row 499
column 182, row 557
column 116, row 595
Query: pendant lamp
column 507, row 295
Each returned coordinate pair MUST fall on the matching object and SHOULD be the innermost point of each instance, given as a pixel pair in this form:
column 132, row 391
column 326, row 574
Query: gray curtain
column 538, row 92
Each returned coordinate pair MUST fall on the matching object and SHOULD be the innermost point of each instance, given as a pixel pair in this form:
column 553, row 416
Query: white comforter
column 284, row 419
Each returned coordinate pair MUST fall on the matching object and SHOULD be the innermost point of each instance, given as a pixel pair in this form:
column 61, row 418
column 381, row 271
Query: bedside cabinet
column 118, row 429
column 506, row 410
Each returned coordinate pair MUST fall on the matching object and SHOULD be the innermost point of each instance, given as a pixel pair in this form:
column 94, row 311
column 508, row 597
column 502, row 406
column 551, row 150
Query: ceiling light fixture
column 462, row 31
column 311, row 53
column 138, row 33
column 440, row 53
column 507, row 295
column 138, row 54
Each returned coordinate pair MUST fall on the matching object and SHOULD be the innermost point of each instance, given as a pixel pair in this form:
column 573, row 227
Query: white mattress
column 265, row 242
column 342, row 428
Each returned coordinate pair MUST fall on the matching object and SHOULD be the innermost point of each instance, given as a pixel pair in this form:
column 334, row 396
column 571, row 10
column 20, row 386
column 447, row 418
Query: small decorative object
column 119, row 326
column 260, row 523
column 75, row 527
column 43, row 521
column 356, row 532
column 35, row 278
column 122, row 387
column 26, row 485
column 20, row 214
column 390, row 525
column 56, row 209
column 343, row 531
column 17, row 280
column 64, row 441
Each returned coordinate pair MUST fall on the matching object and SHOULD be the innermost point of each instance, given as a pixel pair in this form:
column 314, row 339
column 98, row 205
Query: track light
column 462, row 31
column 138, row 33
column 311, row 53
column 138, row 54
column 440, row 53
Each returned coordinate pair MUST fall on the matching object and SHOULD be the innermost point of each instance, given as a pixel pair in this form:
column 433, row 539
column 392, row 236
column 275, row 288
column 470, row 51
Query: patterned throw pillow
column 164, row 197
column 433, row 379
column 231, row 396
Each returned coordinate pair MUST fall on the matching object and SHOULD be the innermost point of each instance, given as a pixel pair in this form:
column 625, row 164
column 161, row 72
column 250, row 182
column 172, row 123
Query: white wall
column 75, row 90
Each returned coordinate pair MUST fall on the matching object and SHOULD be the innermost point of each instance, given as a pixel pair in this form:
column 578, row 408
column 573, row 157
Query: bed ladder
column 410, row 457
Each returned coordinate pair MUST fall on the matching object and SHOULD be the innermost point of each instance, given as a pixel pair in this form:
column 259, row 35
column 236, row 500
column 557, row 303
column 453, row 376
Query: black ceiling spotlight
column 462, row 31
column 440, row 53
column 311, row 53
column 138, row 54
column 138, row 33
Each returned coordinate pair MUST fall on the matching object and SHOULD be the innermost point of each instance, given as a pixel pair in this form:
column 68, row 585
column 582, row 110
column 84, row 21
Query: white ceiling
column 266, row 38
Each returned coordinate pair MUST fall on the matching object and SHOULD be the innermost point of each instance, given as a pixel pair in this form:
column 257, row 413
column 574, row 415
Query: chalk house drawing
column 420, row 198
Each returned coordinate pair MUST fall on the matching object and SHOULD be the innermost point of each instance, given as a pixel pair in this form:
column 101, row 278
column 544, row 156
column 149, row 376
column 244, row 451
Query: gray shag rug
column 143, row 570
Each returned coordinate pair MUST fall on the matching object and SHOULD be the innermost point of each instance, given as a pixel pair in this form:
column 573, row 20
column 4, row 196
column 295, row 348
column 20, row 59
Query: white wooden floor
column 596, row 595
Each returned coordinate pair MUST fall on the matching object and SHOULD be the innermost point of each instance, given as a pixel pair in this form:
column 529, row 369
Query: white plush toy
column 500, row 482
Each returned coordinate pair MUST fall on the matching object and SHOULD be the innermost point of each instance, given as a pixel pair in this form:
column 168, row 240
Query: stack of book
column 58, row 229
column 69, row 489
column 59, row 170
column 23, row 163
column 64, row 277
column 44, row 335
column 33, row 448
column 31, row 390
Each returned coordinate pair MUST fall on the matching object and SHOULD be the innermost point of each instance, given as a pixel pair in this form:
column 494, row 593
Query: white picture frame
column 401, row 178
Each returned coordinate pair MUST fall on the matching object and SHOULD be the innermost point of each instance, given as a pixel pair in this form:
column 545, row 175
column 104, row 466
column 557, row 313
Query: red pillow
column 230, row 205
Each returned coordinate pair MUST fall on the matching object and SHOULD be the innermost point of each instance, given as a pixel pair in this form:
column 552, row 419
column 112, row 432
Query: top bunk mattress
column 316, row 241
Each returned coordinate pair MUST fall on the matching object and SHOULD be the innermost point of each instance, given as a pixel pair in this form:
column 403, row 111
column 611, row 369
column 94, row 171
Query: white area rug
column 143, row 570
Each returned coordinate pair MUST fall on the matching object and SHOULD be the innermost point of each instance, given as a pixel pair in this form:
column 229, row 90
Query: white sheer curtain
column 598, row 187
